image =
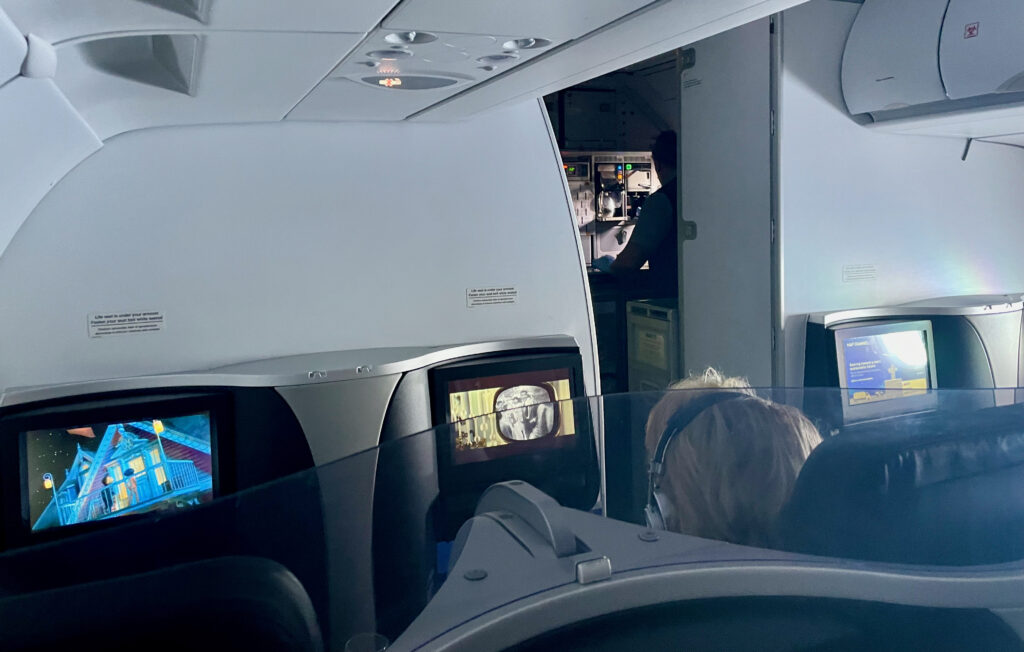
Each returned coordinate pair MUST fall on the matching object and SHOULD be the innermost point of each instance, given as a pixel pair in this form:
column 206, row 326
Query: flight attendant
column 654, row 240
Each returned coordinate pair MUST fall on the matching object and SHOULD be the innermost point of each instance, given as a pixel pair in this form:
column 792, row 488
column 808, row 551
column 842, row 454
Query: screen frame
column 539, row 462
column 120, row 408
column 886, row 407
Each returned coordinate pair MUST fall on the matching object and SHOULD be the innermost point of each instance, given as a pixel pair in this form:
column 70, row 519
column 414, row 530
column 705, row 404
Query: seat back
column 944, row 491
column 231, row 603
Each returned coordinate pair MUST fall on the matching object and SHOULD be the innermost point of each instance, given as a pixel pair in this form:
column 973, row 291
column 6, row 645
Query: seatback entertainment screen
column 101, row 471
column 493, row 413
column 891, row 361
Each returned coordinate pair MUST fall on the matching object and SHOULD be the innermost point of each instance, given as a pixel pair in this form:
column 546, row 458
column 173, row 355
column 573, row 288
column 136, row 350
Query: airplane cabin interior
column 437, row 326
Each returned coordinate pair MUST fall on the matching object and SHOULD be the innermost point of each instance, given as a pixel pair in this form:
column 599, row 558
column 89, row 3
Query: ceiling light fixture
column 526, row 44
column 405, row 38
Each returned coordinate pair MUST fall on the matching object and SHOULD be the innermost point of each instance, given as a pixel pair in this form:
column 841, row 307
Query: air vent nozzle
column 409, row 38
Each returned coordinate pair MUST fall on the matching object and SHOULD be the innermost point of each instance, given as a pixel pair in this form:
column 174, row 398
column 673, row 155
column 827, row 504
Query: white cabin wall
column 726, row 190
column 266, row 240
column 930, row 224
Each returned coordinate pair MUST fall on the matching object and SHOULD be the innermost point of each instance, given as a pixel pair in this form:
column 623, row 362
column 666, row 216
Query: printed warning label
column 104, row 324
column 491, row 296
column 651, row 349
column 854, row 273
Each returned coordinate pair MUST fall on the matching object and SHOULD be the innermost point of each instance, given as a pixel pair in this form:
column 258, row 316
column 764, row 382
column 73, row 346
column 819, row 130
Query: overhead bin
column 889, row 61
column 982, row 47
column 137, row 81
column 942, row 67
column 60, row 21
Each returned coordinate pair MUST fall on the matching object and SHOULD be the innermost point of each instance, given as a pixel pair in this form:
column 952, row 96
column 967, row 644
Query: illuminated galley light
column 390, row 82
column 47, row 481
column 158, row 426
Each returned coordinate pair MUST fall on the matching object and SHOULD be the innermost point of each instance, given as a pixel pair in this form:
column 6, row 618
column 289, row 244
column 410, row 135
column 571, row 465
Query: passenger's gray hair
column 731, row 470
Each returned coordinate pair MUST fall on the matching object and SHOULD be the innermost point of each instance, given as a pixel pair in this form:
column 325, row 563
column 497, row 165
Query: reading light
column 526, row 44
column 410, row 82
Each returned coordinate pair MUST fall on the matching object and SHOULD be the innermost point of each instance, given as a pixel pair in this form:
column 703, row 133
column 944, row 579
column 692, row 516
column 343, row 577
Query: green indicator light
column 629, row 166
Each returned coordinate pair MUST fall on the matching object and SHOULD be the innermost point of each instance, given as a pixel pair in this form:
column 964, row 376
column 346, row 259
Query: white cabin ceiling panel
column 68, row 20
column 43, row 138
column 557, row 20
column 393, row 74
column 339, row 98
column 1013, row 139
column 13, row 48
column 663, row 26
column 144, row 81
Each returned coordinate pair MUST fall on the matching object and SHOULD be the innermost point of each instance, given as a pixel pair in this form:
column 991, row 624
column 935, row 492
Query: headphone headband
column 658, row 507
column 682, row 418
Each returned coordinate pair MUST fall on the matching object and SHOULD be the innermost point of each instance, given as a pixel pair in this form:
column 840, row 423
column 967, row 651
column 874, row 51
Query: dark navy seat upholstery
column 946, row 489
column 228, row 603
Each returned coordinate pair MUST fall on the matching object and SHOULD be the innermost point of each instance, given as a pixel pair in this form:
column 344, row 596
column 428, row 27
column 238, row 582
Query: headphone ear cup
column 653, row 518
column 658, row 511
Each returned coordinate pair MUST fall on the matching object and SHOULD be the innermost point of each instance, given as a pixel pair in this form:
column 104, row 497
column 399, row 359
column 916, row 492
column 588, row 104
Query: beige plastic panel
column 238, row 77
column 63, row 20
column 550, row 19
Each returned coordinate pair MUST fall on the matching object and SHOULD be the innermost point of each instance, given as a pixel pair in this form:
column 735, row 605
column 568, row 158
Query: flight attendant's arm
column 654, row 226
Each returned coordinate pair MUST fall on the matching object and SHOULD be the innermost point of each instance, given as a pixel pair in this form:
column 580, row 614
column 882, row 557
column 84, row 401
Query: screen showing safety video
column 886, row 366
column 105, row 470
column 496, row 411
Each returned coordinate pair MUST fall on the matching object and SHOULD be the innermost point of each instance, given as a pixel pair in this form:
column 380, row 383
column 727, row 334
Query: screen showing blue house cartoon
column 106, row 470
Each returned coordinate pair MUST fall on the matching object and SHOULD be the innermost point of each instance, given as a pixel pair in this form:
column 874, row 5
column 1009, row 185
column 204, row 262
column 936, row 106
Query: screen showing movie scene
column 106, row 470
column 886, row 366
column 493, row 412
